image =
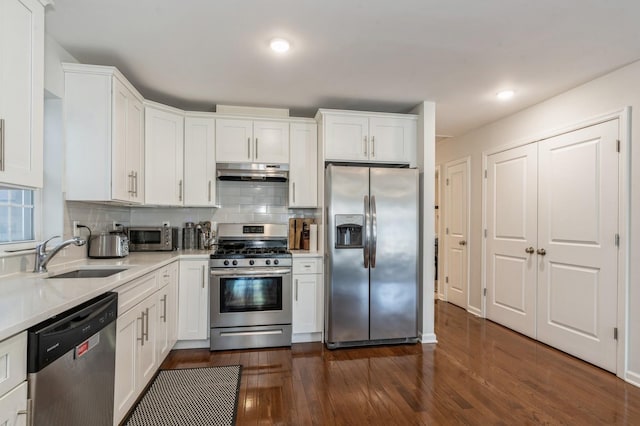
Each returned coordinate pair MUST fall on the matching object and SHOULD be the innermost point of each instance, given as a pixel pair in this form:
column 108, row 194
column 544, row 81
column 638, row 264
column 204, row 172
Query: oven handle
column 267, row 272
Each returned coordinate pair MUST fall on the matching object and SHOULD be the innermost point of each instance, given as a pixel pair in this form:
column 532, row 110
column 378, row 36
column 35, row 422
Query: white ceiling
column 377, row 55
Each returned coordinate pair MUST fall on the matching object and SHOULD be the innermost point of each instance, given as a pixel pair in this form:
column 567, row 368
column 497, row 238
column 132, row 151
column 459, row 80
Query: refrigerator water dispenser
column 349, row 228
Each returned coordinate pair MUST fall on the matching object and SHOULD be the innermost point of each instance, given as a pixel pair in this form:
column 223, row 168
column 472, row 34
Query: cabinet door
column 199, row 152
column 303, row 165
column 306, row 309
column 13, row 406
column 135, row 149
column 234, row 140
column 148, row 359
column 271, row 144
column 193, row 299
column 164, row 144
column 390, row 139
column 21, row 92
column 121, row 175
column 346, row 138
column 167, row 300
column 129, row 329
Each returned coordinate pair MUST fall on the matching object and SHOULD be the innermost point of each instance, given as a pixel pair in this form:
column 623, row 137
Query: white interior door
column 456, row 228
column 577, row 226
column 512, row 193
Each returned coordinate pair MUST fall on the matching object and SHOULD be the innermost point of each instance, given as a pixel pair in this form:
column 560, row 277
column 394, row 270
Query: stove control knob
column 267, row 262
column 226, row 263
column 275, row 262
column 235, row 262
column 251, row 262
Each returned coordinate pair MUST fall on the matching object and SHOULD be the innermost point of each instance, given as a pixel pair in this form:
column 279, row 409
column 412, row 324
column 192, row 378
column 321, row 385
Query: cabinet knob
column 542, row 252
column 529, row 250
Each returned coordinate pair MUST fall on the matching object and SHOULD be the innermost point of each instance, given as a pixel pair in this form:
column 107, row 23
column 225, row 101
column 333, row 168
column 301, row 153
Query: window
column 16, row 215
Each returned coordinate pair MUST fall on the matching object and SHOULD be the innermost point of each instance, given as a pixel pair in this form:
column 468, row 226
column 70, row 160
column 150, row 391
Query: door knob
column 529, row 250
column 542, row 252
column 462, row 243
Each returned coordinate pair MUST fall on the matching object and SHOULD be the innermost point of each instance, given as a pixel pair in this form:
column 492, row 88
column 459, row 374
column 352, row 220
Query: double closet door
column 552, row 256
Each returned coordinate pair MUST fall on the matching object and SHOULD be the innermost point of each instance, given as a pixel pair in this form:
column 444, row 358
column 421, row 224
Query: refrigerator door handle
column 374, row 232
column 365, row 243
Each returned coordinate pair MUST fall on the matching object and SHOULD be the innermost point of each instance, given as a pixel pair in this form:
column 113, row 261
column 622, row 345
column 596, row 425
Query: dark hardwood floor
column 478, row 373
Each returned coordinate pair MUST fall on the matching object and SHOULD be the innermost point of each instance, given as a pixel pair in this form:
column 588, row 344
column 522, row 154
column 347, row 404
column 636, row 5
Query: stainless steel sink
column 90, row 273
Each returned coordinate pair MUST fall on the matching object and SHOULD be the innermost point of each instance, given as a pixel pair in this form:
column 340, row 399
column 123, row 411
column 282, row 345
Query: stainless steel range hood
column 253, row 172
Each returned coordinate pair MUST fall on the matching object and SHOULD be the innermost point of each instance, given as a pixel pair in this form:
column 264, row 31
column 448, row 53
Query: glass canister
column 189, row 236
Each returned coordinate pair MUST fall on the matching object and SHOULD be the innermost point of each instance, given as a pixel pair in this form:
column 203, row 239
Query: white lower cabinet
column 193, row 310
column 308, row 300
column 167, row 317
column 13, row 407
column 146, row 332
column 13, row 385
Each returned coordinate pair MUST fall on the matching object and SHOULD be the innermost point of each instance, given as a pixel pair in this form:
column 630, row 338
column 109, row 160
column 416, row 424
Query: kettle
column 109, row 245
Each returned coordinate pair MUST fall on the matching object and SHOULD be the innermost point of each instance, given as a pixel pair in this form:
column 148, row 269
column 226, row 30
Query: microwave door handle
column 365, row 245
column 374, row 231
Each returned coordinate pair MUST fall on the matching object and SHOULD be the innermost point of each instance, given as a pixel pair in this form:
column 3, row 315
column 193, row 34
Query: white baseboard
column 633, row 378
column 428, row 338
column 306, row 337
column 191, row 344
column 474, row 311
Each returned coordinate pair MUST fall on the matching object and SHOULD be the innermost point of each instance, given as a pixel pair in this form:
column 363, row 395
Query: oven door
column 250, row 297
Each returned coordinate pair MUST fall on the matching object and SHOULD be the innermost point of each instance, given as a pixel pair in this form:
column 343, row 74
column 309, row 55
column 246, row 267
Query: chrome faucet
column 42, row 257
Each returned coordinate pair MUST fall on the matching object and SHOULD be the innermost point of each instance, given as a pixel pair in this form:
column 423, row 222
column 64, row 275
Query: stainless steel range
column 250, row 287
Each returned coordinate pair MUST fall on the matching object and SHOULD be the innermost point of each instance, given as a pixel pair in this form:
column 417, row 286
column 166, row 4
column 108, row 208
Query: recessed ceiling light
column 505, row 94
column 279, row 45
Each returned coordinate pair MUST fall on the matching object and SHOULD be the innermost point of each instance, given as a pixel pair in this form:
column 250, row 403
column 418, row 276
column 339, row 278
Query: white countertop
column 29, row 298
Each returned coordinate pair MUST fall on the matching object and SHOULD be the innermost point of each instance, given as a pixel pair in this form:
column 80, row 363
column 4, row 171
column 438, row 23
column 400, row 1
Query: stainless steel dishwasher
column 71, row 365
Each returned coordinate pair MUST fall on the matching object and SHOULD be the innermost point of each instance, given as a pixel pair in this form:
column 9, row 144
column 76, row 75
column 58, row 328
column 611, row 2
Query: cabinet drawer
column 134, row 292
column 13, row 403
column 167, row 273
column 307, row 266
column 13, row 362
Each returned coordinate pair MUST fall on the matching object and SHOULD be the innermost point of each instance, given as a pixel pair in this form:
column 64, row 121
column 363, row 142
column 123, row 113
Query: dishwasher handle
column 56, row 336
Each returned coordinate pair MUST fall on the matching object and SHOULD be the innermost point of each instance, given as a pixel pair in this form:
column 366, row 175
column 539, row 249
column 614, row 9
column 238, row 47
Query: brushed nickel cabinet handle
column 141, row 338
column 146, row 325
column 180, row 190
column 294, row 192
column 373, row 146
column 209, row 189
column 365, row 146
column 256, row 148
column 249, row 148
column 135, row 183
column 203, row 275
column 296, row 289
column 130, row 183
column 163, row 317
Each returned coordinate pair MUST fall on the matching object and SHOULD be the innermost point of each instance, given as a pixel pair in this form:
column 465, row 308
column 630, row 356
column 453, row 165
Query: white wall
column 603, row 95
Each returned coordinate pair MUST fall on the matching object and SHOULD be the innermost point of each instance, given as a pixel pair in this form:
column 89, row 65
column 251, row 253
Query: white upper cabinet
column 303, row 165
column 104, row 126
column 253, row 141
column 164, row 155
column 21, row 92
column 200, row 161
column 368, row 137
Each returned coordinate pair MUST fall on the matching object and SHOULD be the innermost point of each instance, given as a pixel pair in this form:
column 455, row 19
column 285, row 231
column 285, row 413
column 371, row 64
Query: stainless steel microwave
column 152, row 238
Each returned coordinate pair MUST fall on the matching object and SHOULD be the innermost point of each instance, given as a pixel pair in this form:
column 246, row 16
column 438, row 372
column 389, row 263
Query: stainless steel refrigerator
column 372, row 255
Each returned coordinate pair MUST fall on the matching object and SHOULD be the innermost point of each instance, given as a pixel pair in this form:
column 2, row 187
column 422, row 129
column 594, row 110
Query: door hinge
column 446, row 280
column 617, row 240
column 484, row 291
column 446, row 231
column 618, row 145
column 447, row 182
column 615, row 333
column 485, row 173
column 485, row 233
